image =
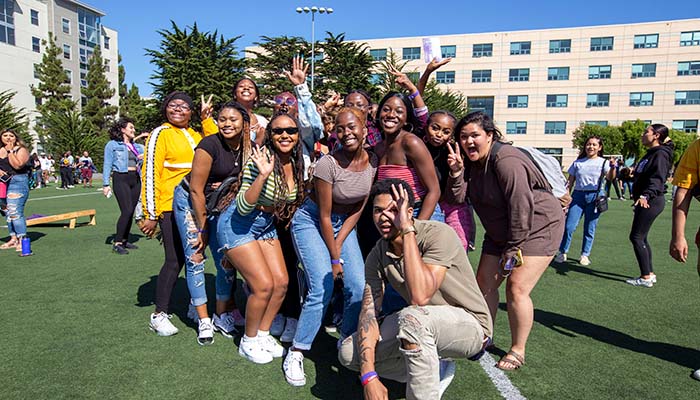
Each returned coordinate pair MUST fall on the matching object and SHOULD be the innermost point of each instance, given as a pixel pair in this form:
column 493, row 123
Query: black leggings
column 291, row 306
column 174, row 260
column 643, row 218
column 65, row 177
column 127, row 187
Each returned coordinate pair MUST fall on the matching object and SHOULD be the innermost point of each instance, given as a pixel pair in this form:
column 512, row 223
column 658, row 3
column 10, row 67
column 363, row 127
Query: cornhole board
column 71, row 216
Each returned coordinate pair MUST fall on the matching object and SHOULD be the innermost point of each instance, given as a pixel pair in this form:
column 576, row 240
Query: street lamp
column 313, row 10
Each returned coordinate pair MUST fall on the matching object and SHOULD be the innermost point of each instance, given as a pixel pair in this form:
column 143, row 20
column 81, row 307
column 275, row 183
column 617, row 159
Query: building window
column 602, row 43
column 448, row 51
column 599, row 123
column 517, row 101
column 105, row 40
column 598, row 100
column 69, row 76
column 685, row 125
column 558, row 74
column 646, row 41
column 484, row 104
column 560, row 46
column 519, row 75
column 643, row 70
column 555, row 152
column 687, row 97
column 66, row 51
column 83, row 79
column 445, row 77
column 7, row 21
column 557, row 100
column 641, row 99
column 520, row 48
column 89, row 28
column 411, row 53
column 107, row 67
column 37, row 74
column 690, row 38
column 688, row 68
column 378, row 54
column 599, row 71
column 555, row 127
column 516, row 127
column 376, row 79
column 65, row 26
column 482, row 50
column 481, row 75
column 36, row 44
column 34, row 16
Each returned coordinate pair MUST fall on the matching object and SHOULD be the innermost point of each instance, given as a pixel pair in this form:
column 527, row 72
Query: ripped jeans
column 17, row 193
column 194, row 262
column 438, row 331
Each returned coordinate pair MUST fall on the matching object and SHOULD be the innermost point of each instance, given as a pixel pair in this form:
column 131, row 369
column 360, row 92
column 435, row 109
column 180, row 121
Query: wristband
column 335, row 262
column 413, row 95
column 201, row 230
column 368, row 377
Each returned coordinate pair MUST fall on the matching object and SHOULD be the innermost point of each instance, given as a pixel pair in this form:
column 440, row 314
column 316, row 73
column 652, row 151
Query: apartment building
column 77, row 27
column 540, row 85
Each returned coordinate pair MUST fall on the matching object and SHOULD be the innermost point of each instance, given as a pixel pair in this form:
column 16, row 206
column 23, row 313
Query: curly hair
column 115, row 131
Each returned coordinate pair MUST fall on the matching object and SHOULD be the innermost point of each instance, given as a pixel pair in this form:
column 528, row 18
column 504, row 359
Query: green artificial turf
column 75, row 324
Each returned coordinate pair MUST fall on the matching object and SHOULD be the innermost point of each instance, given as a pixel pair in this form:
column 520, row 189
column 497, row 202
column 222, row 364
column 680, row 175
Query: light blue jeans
column 582, row 204
column 17, row 193
column 313, row 254
column 194, row 271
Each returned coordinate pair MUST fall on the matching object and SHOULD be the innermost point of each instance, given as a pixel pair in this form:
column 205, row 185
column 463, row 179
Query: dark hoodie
column 652, row 171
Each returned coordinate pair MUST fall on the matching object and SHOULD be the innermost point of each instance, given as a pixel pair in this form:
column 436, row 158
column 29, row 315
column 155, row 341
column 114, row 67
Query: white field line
column 62, row 196
column 500, row 379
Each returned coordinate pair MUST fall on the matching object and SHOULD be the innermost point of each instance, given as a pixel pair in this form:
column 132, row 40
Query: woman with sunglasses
column 168, row 158
column 271, row 188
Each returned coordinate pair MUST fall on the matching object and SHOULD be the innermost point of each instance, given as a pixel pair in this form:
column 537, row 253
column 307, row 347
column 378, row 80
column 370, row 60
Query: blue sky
column 138, row 21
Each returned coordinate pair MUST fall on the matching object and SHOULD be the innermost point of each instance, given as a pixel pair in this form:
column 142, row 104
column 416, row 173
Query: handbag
column 221, row 197
column 601, row 201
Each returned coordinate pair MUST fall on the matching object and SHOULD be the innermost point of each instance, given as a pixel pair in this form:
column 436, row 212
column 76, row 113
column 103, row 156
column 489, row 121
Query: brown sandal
column 510, row 361
column 9, row 245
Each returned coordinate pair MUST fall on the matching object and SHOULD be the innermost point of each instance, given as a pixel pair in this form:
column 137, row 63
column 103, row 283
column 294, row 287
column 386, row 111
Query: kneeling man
column 447, row 316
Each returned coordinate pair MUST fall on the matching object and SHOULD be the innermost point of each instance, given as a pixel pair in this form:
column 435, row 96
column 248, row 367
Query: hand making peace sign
column 454, row 157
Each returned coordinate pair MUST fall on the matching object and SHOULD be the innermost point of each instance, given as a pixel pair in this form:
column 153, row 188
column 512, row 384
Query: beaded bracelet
column 368, row 377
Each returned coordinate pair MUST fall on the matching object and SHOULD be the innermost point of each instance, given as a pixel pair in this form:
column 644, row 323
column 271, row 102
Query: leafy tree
column 198, row 63
column 632, row 146
column 13, row 118
column 681, row 140
column 275, row 57
column 345, row 66
column 123, row 90
column 387, row 83
column 97, row 110
column 53, row 90
column 611, row 135
column 68, row 130
column 437, row 98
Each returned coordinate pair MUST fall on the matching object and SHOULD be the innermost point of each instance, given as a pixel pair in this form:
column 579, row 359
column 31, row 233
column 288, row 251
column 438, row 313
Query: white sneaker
column 653, row 278
column 447, row 373
column 192, row 313
column 277, row 325
column 251, row 349
column 290, row 328
column 238, row 319
column 294, row 368
column 640, row 282
column 206, row 332
column 584, row 261
column 560, row 258
column 225, row 324
column 270, row 344
column 160, row 324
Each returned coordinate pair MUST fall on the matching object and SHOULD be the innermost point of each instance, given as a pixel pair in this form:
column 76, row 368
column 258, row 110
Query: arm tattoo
column 368, row 329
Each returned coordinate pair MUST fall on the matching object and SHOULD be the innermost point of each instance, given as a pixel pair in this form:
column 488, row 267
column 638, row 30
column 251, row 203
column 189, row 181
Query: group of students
column 382, row 203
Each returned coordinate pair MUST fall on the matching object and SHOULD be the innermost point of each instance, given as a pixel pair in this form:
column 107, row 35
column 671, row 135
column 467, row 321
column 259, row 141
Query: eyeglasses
column 181, row 107
column 292, row 130
column 290, row 101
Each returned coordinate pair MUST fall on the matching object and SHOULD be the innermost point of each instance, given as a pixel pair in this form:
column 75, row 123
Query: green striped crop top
column 267, row 194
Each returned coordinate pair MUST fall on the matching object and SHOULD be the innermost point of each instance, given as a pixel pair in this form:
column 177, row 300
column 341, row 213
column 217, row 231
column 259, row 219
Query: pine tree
column 345, row 66
column 123, row 90
column 97, row 110
column 53, row 90
column 275, row 57
column 13, row 118
column 70, row 131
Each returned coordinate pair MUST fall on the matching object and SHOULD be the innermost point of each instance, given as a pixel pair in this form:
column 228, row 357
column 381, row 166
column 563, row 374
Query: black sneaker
column 119, row 249
column 130, row 246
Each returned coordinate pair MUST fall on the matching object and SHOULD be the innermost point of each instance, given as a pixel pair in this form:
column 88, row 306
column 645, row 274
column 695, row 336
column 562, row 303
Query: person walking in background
column 86, row 168
column 614, row 182
column 648, row 195
column 66, row 169
column 13, row 164
column 585, row 176
column 45, row 165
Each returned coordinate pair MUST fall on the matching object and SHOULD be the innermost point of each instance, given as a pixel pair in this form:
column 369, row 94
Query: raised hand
column 435, row 65
column 333, row 101
column 298, row 74
column 402, row 79
column 206, row 108
column 263, row 160
column 397, row 211
column 454, row 157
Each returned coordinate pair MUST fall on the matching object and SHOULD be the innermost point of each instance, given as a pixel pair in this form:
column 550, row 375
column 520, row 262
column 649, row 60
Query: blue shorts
column 234, row 230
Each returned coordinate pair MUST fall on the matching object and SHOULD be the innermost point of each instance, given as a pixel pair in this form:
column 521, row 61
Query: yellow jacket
column 168, row 158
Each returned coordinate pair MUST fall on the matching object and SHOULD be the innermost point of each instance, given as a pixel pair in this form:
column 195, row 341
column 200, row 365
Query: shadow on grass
column 132, row 238
column 683, row 356
column 565, row 267
column 33, row 236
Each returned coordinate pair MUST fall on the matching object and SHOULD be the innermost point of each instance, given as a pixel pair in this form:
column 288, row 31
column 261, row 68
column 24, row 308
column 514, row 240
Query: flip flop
column 511, row 361
column 8, row 245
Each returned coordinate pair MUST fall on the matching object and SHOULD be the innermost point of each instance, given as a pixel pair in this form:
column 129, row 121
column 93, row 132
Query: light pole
column 313, row 10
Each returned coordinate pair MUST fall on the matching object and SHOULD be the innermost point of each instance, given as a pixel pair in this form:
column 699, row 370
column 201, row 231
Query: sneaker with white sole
column 585, row 261
column 206, row 332
column 653, row 278
column 238, row 319
column 294, row 368
column 560, row 258
column 277, row 326
column 251, row 349
column 192, row 313
column 640, row 282
column 290, row 328
column 160, row 324
column 224, row 324
column 447, row 373
column 270, row 344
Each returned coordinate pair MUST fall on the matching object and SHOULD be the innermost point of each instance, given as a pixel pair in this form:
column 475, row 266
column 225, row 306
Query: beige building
column 24, row 24
column 540, row 85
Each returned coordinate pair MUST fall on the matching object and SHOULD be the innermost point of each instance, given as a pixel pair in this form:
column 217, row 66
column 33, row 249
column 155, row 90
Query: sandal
column 9, row 245
column 510, row 361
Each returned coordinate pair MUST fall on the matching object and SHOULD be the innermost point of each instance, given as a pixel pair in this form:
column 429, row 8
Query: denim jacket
column 311, row 126
column 117, row 159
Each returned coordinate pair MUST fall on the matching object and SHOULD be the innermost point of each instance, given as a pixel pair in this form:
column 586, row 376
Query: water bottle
column 26, row 247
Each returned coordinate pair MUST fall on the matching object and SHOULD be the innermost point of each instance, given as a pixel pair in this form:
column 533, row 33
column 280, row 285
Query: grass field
column 75, row 315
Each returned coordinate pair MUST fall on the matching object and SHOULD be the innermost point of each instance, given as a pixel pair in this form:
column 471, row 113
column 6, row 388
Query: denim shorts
column 234, row 229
